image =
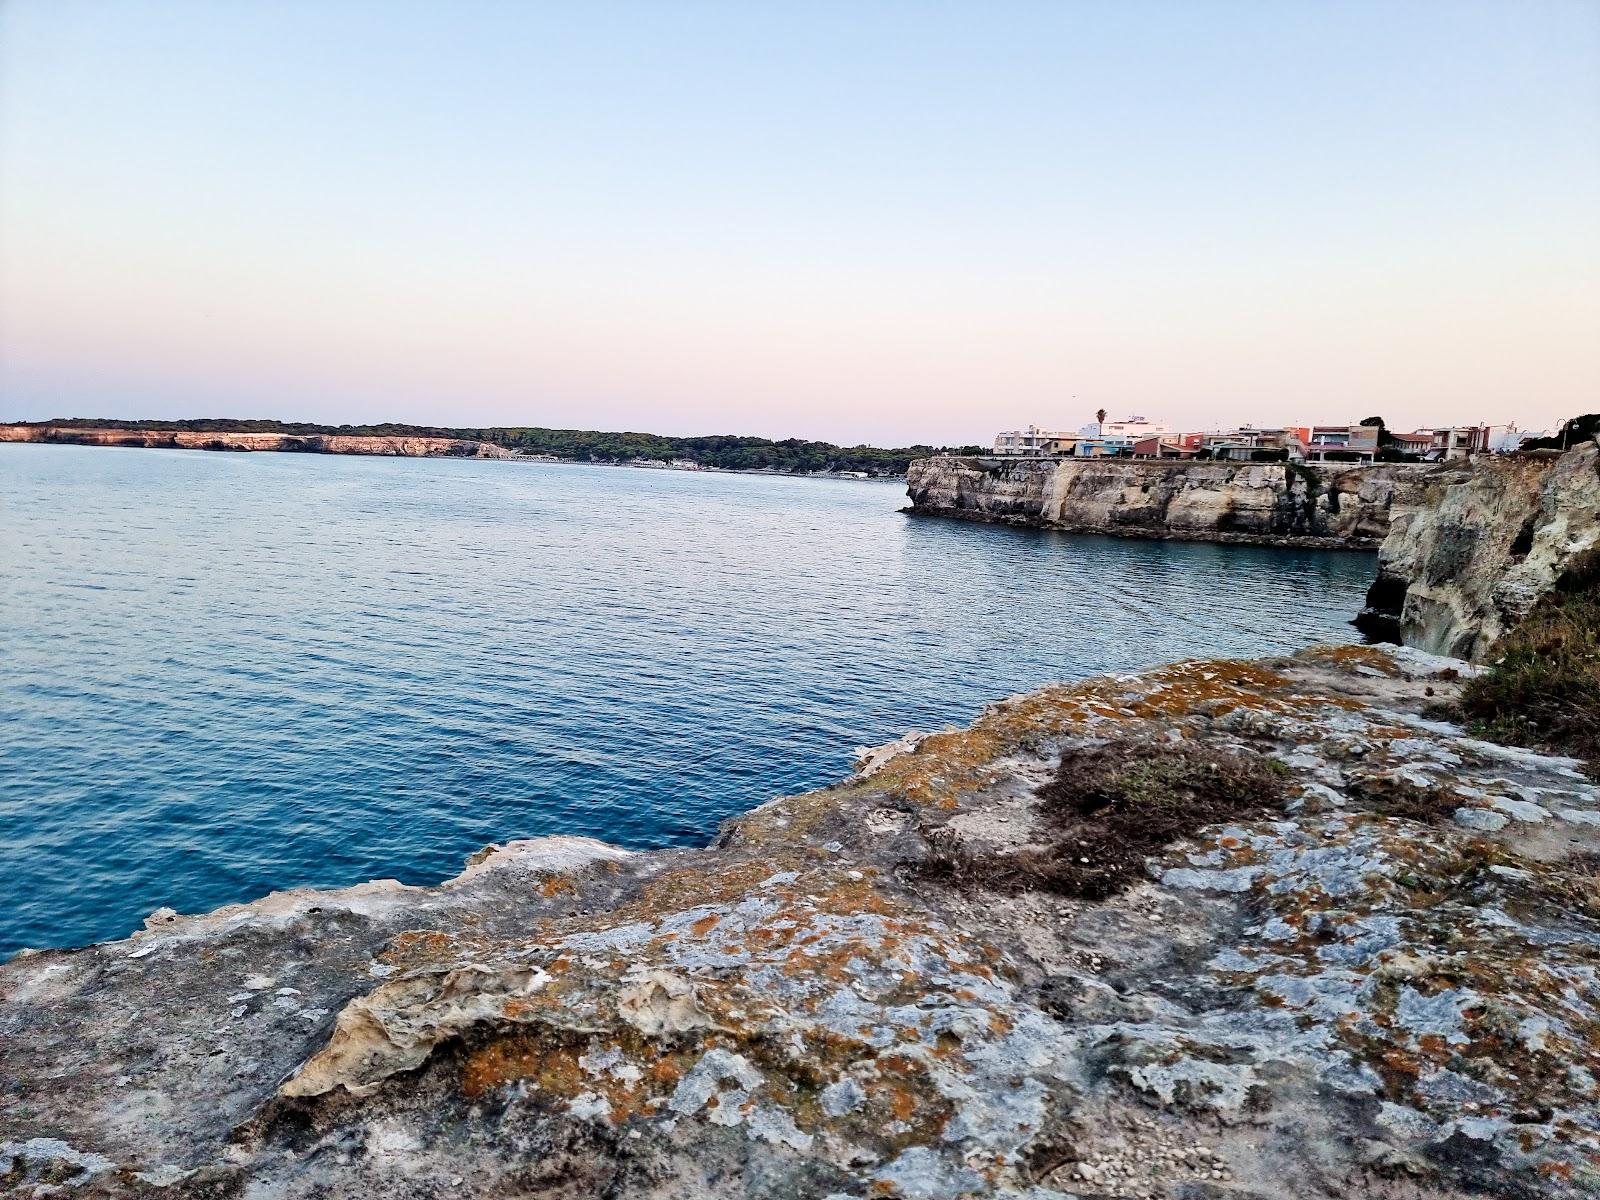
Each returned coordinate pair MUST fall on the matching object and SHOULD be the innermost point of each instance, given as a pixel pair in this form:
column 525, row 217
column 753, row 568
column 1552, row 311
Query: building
column 1168, row 445
column 1342, row 443
column 1114, row 439
column 1418, row 443
column 1033, row 442
column 1137, row 437
column 1103, row 447
column 1133, row 427
column 1505, row 438
column 1236, row 446
column 1460, row 441
column 1249, row 443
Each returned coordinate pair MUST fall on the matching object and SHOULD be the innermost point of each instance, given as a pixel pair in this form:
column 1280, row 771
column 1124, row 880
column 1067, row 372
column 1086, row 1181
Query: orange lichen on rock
column 521, row 1056
column 1375, row 657
column 555, row 885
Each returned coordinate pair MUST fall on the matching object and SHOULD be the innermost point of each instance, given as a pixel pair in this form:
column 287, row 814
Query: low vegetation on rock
column 1114, row 804
column 1543, row 685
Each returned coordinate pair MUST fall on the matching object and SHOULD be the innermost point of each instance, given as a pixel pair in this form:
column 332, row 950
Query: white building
column 1132, row 427
column 1033, row 441
column 1508, row 437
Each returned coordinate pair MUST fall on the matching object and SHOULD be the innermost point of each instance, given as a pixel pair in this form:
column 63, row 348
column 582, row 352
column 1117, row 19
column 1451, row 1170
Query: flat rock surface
column 1387, row 987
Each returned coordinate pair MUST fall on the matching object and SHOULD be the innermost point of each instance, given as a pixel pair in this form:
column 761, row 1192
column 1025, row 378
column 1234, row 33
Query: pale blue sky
column 883, row 221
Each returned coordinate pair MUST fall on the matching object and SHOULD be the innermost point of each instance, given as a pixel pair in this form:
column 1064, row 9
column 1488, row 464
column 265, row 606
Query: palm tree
column 1099, row 416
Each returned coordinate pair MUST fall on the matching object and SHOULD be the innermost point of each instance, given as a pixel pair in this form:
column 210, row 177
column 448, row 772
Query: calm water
column 223, row 674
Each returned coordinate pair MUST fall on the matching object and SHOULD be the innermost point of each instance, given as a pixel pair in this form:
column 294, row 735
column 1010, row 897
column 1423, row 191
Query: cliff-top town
column 1137, row 437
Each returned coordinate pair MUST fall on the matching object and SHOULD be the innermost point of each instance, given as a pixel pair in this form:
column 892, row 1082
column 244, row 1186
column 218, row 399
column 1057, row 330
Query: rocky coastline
column 1216, row 930
column 1380, row 979
column 1473, row 547
column 726, row 454
column 178, row 439
column 1326, row 506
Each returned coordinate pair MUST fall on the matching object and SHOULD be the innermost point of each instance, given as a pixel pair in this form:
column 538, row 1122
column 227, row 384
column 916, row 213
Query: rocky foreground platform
column 1218, row 929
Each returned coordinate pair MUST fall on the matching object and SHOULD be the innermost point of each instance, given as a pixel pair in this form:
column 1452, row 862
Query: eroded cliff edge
column 1276, row 503
column 1472, row 547
column 1376, row 974
column 311, row 443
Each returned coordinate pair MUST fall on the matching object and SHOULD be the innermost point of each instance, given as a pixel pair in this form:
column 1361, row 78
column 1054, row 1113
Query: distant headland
column 716, row 452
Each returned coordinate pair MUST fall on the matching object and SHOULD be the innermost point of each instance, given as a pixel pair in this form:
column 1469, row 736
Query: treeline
column 586, row 445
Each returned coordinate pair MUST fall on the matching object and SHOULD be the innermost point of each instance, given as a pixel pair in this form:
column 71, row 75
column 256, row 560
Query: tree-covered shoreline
column 723, row 451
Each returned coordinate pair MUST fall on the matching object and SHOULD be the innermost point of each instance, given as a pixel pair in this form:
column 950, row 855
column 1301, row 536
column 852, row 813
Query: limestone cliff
column 1473, row 546
column 1331, row 505
column 1371, row 973
column 178, row 439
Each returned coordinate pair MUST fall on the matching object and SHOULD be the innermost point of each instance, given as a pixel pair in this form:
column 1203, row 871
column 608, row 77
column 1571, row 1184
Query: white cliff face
column 1270, row 502
column 1473, row 547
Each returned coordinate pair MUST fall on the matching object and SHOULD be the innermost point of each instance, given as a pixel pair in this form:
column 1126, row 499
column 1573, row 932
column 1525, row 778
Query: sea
column 224, row 674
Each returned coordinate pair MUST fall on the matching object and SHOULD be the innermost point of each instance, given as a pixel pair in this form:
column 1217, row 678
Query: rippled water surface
column 226, row 673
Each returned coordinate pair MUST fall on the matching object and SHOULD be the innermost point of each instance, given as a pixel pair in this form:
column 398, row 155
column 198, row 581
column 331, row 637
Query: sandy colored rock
column 1276, row 503
column 311, row 443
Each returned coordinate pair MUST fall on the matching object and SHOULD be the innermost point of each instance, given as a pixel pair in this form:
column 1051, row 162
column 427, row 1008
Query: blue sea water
column 222, row 674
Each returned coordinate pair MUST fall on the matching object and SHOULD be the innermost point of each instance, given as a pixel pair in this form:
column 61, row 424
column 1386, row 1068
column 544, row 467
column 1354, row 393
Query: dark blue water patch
column 225, row 674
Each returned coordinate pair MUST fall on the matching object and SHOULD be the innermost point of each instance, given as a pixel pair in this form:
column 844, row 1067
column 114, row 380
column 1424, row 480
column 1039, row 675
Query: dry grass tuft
column 1113, row 806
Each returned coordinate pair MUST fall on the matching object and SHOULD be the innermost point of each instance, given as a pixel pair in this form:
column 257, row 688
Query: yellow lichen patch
column 1353, row 656
column 1388, row 733
column 550, row 1066
column 832, row 964
column 416, row 948
column 902, row 1102
column 943, row 766
column 1217, row 688
column 689, row 887
column 563, row 1065
column 843, row 896
column 555, row 885
column 949, row 766
column 903, row 1107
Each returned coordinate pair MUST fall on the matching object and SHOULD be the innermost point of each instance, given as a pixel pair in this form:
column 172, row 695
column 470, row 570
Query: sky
column 867, row 221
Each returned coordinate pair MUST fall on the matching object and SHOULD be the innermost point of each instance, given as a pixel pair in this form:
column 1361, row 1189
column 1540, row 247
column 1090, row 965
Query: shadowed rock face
column 314, row 443
column 1472, row 548
column 1388, row 988
column 1273, row 503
